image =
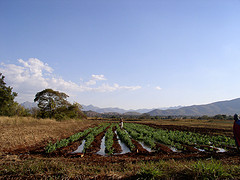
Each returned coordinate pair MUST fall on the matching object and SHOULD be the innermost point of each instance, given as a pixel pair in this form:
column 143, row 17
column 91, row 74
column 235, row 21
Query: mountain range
column 121, row 111
column 29, row 105
column 228, row 107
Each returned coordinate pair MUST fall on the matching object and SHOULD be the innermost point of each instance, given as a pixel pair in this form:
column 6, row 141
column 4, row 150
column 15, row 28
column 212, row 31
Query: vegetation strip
column 150, row 136
column 65, row 142
column 176, row 138
column 140, row 136
column 90, row 137
column 109, row 140
column 125, row 138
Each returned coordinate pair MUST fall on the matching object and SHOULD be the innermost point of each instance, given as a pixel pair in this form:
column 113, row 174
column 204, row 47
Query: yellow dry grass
column 23, row 132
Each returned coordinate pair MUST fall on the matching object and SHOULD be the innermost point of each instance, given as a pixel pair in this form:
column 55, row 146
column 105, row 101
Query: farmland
column 152, row 149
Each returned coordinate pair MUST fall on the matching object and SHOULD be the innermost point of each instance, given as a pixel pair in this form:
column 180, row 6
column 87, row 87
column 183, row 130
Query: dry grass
column 20, row 132
column 24, row 132
column 59, row 168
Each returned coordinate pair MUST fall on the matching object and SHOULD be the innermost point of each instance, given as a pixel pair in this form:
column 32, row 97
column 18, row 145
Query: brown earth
column 209, row 131
column 116, row 145
column 36, row 151
column 163, row 152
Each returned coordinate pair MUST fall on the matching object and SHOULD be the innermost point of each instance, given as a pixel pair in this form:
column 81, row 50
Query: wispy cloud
column 31, row 76
column 94, row 79
column 158, row 88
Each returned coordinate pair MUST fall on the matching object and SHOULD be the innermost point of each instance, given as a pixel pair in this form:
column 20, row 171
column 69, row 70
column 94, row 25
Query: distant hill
column 92, row 114
column 119, row 110
column 29, row 105
column 229, row 107
column 132, row 113
column 103, row 110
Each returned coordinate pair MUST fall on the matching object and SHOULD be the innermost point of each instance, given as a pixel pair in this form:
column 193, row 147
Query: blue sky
column 129, row 54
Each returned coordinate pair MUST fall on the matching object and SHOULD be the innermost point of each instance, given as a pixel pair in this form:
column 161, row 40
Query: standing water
column 219, row 149
column 142, row 144
column 174, row 149
column 145, row 147
column 125, row 149
column 80, row 148
column 102, row 150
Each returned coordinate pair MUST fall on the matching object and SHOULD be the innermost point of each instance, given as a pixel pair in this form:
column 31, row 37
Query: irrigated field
column 147, row 149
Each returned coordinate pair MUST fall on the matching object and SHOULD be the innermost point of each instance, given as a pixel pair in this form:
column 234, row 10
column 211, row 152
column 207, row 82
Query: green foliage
column 109, row 140
column 150, row 173
column 73, row 111
column 7, row 104
column 60, row 116
column 50, row 100
column 125, row 138
column 150, row 135
column 21, row 111
column 90, row 137
column 53, row 104
column 210, row 170
column 64, row 142
column 140, row 135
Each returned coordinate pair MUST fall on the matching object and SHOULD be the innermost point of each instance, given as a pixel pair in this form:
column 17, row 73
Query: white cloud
column 33, row 75
column 158, row 88
column 94, row 79
column 99, row 77
column 108, row 88
column 35, row 66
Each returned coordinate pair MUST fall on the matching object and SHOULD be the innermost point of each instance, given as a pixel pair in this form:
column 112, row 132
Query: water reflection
column 125, row 149
column 145, row 147
column 102, row 150
column 80, row 148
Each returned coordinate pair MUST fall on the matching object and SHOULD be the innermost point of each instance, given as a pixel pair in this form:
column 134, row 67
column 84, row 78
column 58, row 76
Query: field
column 154, row 149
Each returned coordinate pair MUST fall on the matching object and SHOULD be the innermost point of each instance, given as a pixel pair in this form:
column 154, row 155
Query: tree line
column 51, row 104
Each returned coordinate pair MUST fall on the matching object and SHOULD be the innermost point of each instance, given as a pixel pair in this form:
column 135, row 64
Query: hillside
column 110, row 109
column 29, row 105
column 229, row 107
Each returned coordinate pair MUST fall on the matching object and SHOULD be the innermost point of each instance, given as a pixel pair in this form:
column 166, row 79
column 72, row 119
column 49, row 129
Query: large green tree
column 54, row 104
column 49, row 101
column 7, row 104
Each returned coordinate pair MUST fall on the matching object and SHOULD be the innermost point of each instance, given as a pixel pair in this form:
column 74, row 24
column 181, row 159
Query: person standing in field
column 121, row 122
column 236, row 130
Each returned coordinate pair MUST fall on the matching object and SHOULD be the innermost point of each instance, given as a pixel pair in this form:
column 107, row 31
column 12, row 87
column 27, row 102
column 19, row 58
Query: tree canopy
column 50, row 100
column 54, row 104
column 7, row 104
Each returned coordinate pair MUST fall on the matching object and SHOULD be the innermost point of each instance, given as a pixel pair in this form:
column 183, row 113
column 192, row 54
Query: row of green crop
column 174, row 138
column 109, row 140
column 146, row 138
column 64, row 142
column 124, row 137
column 90, row 137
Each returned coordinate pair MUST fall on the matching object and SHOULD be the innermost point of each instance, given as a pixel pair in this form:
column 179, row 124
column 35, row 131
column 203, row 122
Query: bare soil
column 116, row 145
column 139, row 154
column 209, row 131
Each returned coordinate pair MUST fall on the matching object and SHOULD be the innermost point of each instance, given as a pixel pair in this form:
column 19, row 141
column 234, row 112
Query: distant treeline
column 145, row 116
column 51, row 104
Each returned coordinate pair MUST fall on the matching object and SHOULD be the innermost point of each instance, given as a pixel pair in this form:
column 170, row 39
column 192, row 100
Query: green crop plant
column 125, row 138
column 64, row 142
column 174, row 138
column 90, row 137
column 109, row 140
column 139, row 136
